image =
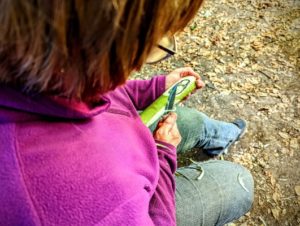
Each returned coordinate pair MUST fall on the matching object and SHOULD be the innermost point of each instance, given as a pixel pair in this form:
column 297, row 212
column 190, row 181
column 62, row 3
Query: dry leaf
column 284, row 135
column 245, row 97
column 294, row 144
column 276, row 196
column 272, row 179
column 276, row 213
column 297, row 190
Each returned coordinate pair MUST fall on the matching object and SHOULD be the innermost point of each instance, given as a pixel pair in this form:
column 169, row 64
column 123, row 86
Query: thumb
column 169, row 120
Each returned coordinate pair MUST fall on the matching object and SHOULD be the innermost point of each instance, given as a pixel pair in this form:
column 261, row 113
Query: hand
column 179, row 73
column 167, row 130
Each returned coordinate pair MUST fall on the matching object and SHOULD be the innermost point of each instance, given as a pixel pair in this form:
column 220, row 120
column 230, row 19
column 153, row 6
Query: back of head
column 82, row 48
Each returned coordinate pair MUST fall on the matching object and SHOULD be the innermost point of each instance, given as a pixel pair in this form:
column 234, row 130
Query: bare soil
column 248, row 54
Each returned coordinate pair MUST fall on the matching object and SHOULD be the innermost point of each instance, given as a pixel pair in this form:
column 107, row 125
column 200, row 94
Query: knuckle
column 159, row 132
column 179, row 136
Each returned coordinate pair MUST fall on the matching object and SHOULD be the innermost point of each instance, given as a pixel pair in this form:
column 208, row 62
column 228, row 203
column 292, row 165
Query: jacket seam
column 21, row 171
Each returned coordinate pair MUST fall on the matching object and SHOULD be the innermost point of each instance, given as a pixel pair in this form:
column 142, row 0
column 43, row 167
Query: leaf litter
column 248, row 54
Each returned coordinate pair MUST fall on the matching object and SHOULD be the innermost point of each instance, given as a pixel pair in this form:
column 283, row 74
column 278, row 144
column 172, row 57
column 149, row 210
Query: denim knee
column 246, row 178
column 235, row 189
column 213, row 193
column 239, row 194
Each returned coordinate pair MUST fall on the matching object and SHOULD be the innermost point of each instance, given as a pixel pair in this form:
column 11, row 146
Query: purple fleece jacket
column 67, row 163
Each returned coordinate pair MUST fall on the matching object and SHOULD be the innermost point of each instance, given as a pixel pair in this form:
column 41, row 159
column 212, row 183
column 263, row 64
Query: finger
column 184, row 71
column 166, row 119
column 170, row 118
column 199, row 84
column 176, row 134
column 188, row 71
column 175, row 131
column 169, row 121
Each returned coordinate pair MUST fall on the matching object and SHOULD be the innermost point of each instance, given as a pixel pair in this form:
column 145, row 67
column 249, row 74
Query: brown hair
column 80, row 48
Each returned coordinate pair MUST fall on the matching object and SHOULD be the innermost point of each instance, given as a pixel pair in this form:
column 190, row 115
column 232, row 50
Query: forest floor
column 248, row 54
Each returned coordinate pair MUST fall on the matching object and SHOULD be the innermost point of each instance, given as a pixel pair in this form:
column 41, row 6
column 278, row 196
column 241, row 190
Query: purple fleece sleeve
column 144, row 92
column 162, row 204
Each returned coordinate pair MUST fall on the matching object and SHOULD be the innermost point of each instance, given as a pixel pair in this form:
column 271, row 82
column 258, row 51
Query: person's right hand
column 167, row 130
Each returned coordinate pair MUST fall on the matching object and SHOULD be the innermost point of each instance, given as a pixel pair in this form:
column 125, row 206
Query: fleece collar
column 17, row 106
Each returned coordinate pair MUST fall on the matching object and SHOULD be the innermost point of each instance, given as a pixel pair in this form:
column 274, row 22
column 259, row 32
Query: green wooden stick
column 154, row 111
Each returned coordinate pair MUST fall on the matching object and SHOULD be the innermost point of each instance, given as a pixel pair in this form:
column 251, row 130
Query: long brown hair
column 81, row 48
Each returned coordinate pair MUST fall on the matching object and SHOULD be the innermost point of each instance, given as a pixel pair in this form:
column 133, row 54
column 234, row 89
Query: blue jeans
column 213, row 192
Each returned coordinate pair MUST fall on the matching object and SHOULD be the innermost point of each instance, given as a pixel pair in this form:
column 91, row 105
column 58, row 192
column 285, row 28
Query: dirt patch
column 248, row 55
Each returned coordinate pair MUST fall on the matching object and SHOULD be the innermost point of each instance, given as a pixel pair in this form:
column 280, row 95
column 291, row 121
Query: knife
column 164, row 103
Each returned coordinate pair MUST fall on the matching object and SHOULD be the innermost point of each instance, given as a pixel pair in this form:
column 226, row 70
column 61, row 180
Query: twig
column 265, row 74
column 290, row 197
column 263, row 221
column 199, row 169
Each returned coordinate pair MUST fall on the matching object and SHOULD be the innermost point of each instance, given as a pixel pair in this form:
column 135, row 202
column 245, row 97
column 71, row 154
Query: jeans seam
column 222, row 197
column 199, row 192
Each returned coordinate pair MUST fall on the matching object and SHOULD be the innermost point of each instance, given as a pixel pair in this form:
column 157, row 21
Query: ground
column 248, row 52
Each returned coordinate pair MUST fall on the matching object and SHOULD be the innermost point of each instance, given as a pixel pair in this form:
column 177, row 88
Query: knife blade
column 171, row 100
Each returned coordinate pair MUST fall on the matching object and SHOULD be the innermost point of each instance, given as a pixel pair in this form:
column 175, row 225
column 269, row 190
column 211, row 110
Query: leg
column 212, row 193
column 199, row 131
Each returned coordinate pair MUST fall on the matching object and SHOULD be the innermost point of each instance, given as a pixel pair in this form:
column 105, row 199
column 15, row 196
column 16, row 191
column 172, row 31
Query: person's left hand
column 179, row 73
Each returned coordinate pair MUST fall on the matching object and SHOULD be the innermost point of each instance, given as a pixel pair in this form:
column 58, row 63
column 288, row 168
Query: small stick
column 263, row 221
column 265, row 74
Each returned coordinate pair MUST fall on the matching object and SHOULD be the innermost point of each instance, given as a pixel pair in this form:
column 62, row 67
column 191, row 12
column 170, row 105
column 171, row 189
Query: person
column 73, row 149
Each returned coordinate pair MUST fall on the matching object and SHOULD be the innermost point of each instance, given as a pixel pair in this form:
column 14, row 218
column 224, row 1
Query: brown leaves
column 276, row 213
column 257, row 45
column 297, row 190
column 248, row 55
